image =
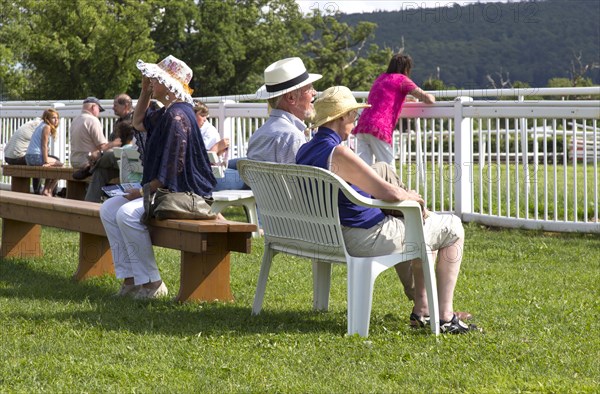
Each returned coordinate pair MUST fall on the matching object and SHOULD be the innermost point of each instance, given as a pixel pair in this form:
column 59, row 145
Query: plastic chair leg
column 360, row 296
column 321, row 285
column 250, row 208
column 262, row 280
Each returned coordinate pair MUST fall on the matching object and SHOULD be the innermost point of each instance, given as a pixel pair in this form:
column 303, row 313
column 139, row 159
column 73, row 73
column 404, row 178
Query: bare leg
column 447, row 269
column 49, row 186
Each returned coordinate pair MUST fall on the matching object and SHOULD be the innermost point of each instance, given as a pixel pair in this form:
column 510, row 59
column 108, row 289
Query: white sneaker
column 145, row 293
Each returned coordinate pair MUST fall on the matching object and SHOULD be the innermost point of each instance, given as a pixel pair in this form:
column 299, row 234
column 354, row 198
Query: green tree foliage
column 334, row 49
column 234, row 41
column 13, row 78
column 76, row 48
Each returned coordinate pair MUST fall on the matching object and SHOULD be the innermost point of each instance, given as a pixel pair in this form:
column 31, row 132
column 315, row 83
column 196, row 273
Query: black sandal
column 456, row 326
column 417, row 321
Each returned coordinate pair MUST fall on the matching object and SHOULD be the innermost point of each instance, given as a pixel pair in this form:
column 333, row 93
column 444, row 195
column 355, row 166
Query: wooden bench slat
column 22, row 171
column 85, row 208
column 21, row 175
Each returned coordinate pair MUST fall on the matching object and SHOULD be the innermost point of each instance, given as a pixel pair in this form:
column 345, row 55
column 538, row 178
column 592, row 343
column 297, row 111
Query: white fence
column 494, row 157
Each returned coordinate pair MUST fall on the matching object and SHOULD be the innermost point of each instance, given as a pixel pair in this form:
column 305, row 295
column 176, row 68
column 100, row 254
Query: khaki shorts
column 387, row 236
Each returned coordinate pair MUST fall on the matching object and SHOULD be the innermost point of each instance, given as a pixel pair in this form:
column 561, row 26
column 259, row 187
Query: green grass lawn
column 535, row 294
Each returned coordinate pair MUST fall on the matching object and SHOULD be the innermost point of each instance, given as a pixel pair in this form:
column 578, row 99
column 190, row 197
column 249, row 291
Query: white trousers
column 369, row 147
column 129, row 240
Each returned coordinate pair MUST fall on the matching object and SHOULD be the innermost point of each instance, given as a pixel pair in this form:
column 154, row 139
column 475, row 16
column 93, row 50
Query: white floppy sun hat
column 171, row 72
column 285, row 76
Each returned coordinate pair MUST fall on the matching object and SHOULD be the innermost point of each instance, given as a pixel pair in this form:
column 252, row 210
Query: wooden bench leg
column 76, row 190
column 205, row 276
column 20, row 239
column 95, row 258
column 20, row 185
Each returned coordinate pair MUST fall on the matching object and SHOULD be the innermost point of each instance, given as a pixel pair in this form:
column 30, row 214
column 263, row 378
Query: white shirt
column 210, row 135
column 16, row 147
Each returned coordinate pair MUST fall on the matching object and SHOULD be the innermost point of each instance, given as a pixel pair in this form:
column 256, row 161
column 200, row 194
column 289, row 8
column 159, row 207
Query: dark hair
column 400, row 64
column 123, row 99
column 125, row 131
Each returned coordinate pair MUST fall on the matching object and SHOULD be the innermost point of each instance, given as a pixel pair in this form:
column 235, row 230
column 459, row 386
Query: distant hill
column 531, row 40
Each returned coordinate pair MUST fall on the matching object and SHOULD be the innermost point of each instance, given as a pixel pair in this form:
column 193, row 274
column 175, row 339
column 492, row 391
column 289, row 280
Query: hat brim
column 151, row 70
column 262, row 94
column 320, row 122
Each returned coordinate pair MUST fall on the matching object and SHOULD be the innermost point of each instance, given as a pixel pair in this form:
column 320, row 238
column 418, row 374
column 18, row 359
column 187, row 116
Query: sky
column 359, row 6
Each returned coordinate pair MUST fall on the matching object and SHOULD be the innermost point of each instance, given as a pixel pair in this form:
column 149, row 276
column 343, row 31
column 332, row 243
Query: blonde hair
column 46, row 119
column 200, row 107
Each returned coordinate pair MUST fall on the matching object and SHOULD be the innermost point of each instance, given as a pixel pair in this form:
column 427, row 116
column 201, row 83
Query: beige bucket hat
column 333, row 103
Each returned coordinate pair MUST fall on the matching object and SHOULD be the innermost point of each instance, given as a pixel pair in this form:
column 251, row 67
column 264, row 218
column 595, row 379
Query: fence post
column 59, row 144
column 226, row 124
column 463, row 153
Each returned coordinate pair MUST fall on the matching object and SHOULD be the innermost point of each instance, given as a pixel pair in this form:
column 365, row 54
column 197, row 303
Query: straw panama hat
column 171, row 72
column 333, row 103
column 285, row 76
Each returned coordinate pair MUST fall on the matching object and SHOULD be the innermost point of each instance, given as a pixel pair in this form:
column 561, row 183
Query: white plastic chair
column 245, row 198
column 130, row 165
column 298, row 208
column 215, row 163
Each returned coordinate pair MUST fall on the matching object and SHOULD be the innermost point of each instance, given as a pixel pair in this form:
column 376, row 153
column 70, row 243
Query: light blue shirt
column 278, row 140
column 35, row 145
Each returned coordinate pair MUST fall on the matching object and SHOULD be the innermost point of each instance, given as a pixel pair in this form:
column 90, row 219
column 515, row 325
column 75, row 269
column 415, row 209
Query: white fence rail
column 494, row 157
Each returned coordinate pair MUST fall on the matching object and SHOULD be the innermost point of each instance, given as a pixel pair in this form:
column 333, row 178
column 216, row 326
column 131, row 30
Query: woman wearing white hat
column 369, row 231
column 289, row 91
column 175, row 158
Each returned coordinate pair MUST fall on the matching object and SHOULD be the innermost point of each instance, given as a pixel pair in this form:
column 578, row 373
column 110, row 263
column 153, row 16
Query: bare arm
column 220, row 147
column 421, row 95
column 351, row 168
column 109, row 145
column 104, row 147
column 142, row 104
column 45, row 138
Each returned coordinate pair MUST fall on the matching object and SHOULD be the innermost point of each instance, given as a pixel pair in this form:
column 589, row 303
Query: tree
column 77, row 48
column 579, row 69
column 70, row 49
column 234, row 41
column 13, row 78
column 334, row 50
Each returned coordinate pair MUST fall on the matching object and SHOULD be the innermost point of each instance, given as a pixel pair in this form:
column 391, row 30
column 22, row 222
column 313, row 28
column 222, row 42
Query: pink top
column 386, row 97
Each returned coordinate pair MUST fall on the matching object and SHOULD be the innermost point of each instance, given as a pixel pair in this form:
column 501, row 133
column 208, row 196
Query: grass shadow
column 98, row 308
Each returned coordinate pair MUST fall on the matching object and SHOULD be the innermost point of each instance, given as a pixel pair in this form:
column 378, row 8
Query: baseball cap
column 95, row 101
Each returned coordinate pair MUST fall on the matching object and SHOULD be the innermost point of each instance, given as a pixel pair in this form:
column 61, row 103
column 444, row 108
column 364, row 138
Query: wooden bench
column 21, row 175
column 205, row 245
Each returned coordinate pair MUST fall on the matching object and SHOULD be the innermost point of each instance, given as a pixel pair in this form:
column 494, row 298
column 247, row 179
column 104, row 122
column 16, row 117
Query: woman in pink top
column 376, row 124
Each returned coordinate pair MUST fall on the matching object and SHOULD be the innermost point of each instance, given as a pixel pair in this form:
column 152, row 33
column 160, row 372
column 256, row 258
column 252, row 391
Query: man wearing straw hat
column 370, row 231
column 289, row 91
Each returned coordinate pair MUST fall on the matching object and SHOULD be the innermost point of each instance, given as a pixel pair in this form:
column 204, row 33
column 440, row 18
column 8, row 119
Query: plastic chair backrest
column 298, row 208
column 130, row 165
